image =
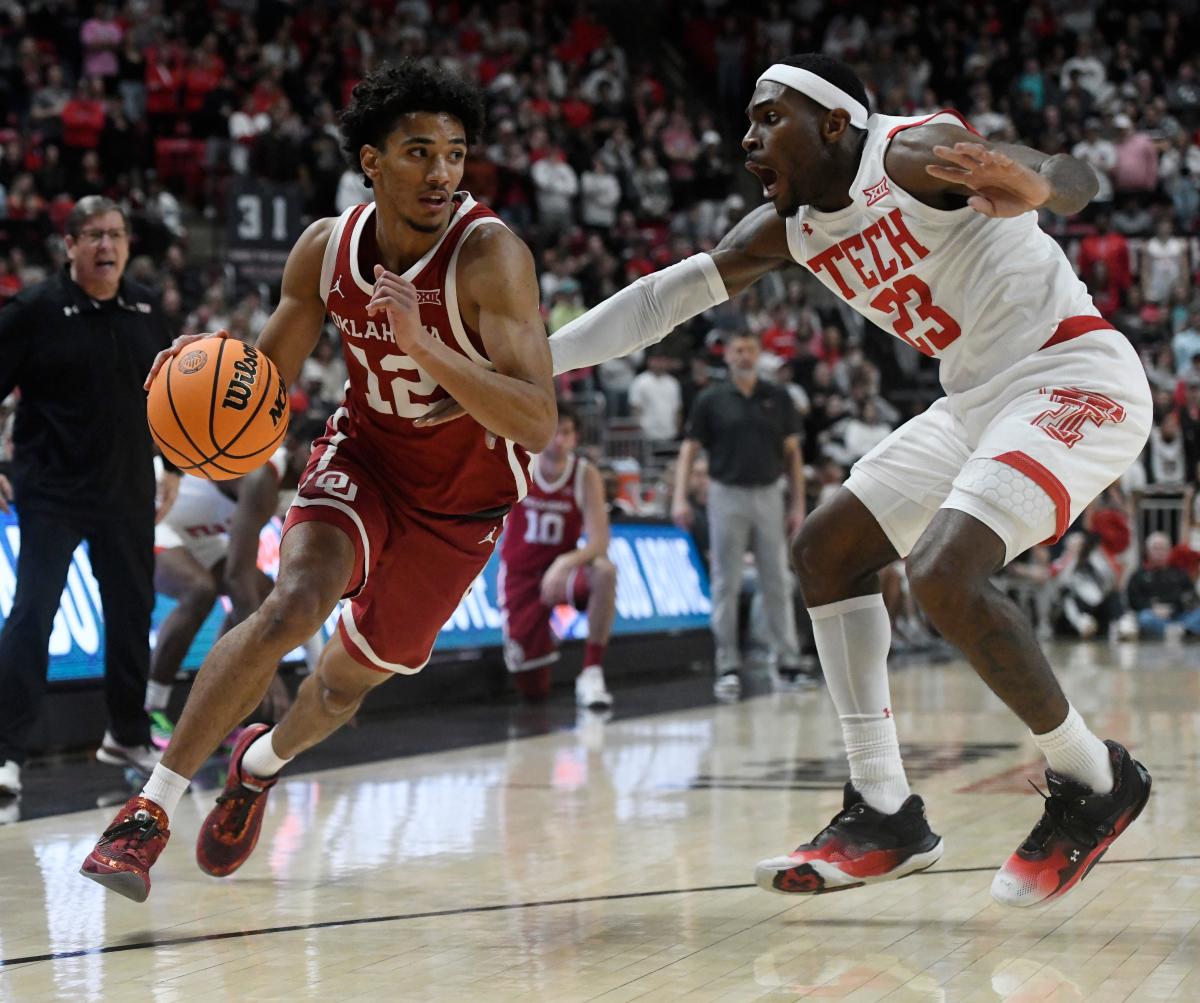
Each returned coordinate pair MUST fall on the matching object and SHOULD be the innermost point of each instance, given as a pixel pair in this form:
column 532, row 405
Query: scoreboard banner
column 262, row 223
column 661, row 587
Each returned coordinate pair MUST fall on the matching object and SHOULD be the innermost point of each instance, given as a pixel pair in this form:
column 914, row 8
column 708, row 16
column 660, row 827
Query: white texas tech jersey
column 976, row 293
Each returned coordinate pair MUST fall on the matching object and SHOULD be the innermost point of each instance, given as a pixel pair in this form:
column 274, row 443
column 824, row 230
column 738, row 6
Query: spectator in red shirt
column 576, row 113
column 164, row 80
column 83, row 119
column 780, row 337
column 204, row 74
column 10, row 283
column 1110, row 248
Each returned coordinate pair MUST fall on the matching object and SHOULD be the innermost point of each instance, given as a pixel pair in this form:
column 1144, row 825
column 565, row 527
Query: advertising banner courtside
column 661, row 587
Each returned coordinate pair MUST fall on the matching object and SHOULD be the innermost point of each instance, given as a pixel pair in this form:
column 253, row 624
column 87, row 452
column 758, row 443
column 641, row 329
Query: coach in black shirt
column 750, row 431
column 77, row 347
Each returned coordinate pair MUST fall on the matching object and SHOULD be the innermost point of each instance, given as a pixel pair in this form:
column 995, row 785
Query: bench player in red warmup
column 433, row 295
column 542, row 566
column 931, row 233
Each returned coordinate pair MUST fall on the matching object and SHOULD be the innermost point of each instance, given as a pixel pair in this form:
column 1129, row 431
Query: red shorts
column 411, row 568
column 528, row 640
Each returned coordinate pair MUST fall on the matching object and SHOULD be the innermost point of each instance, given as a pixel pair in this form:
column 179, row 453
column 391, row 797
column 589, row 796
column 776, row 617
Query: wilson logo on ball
column 241, row 385
column 279, row 409
column 193, row 362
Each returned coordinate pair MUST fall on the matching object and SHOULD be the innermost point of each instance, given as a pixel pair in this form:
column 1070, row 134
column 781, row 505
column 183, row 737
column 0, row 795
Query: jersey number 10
column 543, row 527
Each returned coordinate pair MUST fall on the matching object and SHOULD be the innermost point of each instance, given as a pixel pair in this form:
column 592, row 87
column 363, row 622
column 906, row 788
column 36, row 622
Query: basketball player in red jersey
column 931, row 233
column 433, row 295
column 542, row 566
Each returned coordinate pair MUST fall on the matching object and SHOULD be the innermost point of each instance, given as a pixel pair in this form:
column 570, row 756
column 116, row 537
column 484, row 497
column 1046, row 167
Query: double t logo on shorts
column 1075, row 407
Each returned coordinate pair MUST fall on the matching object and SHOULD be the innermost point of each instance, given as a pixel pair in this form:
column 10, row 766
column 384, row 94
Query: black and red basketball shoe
column 230, row 832
column 1076, row 829
column 859, row 847
column 123, row 856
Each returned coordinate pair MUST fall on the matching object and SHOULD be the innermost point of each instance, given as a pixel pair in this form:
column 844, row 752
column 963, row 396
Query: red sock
column 593, row 654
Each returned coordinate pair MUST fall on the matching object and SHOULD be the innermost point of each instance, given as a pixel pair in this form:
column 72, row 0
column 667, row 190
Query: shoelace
column 1057, row 816
column 244, row 799
column 141, row 826
column 136, row 832
column 845, row 815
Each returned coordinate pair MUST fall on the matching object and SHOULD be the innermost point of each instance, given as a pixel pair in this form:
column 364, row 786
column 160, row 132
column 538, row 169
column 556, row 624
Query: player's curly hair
column 835, row 71
column 397, row 89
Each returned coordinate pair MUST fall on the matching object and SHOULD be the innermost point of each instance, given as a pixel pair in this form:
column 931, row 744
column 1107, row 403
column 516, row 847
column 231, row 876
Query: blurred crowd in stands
column 612, row 147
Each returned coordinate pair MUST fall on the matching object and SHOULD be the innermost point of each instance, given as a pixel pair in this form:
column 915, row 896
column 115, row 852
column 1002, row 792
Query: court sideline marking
column 466, row 910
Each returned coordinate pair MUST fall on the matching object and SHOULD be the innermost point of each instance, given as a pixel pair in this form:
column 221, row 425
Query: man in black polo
column 77, row 347
column 749, row 429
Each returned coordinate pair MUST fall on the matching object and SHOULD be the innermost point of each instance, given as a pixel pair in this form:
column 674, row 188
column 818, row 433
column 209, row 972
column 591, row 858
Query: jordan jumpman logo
column 491, row 536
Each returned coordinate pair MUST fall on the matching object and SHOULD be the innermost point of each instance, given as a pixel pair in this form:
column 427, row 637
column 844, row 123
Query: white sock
column 875, row 766
column 261, row 759
column 165, row 789
column 1073, row 751
column 853, row 637
column 157, row 695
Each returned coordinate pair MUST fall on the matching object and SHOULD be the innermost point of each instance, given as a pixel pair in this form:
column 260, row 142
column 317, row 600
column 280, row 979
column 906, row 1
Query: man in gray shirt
column 750, row 431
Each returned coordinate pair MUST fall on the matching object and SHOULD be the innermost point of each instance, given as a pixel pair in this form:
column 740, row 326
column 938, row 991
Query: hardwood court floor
column 614, row 863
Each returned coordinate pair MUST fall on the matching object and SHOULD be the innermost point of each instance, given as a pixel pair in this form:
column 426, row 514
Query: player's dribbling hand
column 1003, row 187
column 397, row 298
column 443, row 411
column 177, row 346
column 6, row 494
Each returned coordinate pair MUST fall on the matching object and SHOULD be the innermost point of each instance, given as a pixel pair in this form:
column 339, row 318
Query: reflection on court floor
column 614, row 862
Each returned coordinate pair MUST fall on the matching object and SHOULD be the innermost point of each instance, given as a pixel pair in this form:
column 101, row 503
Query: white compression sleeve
column 639, row 315
column 853, row 637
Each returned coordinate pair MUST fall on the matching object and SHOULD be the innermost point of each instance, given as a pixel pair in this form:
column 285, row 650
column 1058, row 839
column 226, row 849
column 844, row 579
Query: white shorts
column 1024, row 452
column 208, row 549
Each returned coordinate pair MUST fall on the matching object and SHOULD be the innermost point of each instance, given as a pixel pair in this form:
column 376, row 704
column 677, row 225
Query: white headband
column 819, row 89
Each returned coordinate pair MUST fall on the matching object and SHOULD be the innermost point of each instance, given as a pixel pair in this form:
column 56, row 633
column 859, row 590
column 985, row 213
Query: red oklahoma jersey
column 457, row 468
column 547, row 523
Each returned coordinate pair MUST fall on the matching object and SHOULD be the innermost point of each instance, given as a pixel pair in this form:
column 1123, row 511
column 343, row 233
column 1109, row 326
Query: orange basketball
column 218, row 409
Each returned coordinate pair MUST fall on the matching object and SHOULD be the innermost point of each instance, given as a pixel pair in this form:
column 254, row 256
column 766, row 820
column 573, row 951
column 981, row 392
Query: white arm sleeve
column 639, row 315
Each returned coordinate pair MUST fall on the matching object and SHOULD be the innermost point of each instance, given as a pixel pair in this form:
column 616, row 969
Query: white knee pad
column 1005, row 500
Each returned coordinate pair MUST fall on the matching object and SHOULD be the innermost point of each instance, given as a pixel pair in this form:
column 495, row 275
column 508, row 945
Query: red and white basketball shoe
column 123, row 856
column 861, row 846
column 230, row 832
column 1076, row 829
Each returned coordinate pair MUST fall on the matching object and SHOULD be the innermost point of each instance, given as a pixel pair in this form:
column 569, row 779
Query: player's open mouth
column 435, row 200
column 767, row 176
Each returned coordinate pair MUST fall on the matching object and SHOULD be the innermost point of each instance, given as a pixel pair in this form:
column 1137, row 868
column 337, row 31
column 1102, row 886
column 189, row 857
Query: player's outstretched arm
column 647, row 311
column 292, row 331
column 498, row 296
column 943, row 164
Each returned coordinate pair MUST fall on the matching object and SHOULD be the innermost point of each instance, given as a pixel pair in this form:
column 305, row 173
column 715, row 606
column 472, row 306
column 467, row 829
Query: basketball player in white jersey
column 931, row 233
